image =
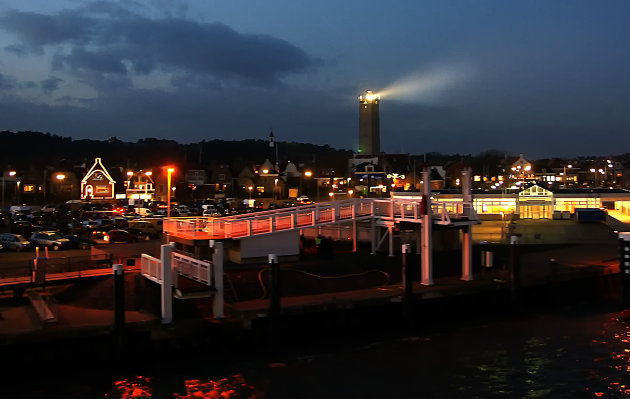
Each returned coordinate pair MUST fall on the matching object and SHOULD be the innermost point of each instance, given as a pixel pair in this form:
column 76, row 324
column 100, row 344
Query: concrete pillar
column 167, row 283
column 390, row 230
column 427, row 231
column 467, row 265
column 218, row 309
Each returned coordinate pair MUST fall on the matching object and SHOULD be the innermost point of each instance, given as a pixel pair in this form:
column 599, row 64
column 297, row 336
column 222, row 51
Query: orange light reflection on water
column 234, row 387
column 136, row 388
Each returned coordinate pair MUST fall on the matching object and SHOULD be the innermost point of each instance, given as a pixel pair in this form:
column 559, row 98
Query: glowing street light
column 168, row 191
column 11, row 173
column 250, row 188
column 60, row 176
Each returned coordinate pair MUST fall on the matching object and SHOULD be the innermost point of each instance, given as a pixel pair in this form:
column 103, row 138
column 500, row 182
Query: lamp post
column 60, row 178
column 146, row 185
column 250, row 188
column 564, row 175
column 308, row 174
column 11, row 174
column 168, row 191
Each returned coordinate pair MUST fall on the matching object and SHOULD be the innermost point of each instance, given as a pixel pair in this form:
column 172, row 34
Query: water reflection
column 234, row 387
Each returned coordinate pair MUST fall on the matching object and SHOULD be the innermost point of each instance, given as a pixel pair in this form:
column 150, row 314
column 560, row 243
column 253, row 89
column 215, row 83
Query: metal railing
column 55, row 269
column 271, row 221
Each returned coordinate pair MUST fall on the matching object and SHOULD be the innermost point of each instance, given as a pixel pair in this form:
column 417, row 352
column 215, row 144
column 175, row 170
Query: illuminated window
column 260, row 189
column 29, row 188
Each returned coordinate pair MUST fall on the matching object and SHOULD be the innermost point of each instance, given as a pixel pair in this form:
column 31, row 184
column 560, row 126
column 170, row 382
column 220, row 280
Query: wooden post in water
column 624, row 268
column 274, row 286
column 515, row 268
column 119, row 301
column 407, row 281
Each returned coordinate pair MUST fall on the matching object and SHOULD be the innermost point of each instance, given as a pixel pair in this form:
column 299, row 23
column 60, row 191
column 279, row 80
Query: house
column 97, row 183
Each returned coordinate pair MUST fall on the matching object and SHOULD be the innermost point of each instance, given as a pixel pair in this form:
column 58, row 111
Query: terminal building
column 535, row 201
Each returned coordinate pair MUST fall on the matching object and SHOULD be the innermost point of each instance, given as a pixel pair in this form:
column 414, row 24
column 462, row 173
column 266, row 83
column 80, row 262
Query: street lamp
column 564, row 175
column 250, row 188
column 146, row 185
column 11, row 173
column 168, row 191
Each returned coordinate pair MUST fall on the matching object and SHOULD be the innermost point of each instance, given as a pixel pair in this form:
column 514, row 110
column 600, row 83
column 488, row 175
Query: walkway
column 306, row 216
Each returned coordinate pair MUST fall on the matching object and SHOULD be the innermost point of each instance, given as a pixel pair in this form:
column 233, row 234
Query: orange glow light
column 60, row 176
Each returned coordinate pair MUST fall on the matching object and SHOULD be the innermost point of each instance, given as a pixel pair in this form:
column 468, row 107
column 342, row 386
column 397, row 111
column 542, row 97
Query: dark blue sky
column 542, row 78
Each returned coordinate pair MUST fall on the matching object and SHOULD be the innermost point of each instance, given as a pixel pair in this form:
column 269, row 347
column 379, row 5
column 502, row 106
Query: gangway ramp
column 392, row 210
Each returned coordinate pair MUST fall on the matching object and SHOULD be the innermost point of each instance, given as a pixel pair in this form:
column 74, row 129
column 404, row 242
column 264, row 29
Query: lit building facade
column 534, row 202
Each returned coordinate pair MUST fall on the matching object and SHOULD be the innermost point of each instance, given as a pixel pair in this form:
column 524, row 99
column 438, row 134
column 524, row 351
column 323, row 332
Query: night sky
column 542, row 78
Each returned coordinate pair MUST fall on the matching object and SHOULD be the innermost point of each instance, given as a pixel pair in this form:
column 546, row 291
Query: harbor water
column 567, row 350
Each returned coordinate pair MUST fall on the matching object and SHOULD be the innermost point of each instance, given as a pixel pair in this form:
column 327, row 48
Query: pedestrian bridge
column 453, row 213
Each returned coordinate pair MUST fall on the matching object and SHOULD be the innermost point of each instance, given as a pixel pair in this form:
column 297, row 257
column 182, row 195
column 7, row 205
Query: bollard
column 407, row 281
column 274, row 286
column 515, row 268
column 119, row 301
column 624, row 268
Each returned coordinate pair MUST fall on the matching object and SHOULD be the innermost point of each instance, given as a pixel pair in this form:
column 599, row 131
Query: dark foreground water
column 577, row 351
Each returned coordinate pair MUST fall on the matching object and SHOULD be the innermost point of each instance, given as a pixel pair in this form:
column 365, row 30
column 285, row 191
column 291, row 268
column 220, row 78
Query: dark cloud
column 7, row 83
column 51, row 84
column 106, row 39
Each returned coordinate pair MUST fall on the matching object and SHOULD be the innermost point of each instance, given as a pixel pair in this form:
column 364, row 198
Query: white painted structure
column 165, row 270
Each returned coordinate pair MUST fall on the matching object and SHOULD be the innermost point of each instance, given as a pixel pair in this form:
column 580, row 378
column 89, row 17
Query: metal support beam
column 390, row 230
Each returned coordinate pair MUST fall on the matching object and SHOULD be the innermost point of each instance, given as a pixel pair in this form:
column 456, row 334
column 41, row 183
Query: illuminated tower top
column 369, row 124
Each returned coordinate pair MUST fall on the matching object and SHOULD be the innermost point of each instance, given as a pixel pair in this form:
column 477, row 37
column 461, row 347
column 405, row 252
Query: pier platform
column 311, row 285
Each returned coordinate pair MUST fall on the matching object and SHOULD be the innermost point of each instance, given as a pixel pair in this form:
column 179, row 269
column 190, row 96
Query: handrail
column 284, row 219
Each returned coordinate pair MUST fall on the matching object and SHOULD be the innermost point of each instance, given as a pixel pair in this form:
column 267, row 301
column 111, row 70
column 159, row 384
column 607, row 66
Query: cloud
column 51, row 84
column 102, row 40
column 6, row 83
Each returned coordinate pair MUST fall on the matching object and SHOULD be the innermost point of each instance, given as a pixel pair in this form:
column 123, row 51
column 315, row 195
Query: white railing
column 192, row 268
column 270, row 221
column 151, row 268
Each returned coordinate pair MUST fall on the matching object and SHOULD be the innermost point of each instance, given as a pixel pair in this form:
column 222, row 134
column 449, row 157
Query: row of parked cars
column 49, row 239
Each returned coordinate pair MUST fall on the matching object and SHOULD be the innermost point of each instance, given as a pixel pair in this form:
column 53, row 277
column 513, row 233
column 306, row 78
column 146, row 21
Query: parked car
column 50, row 239
column 147, row 227
column 141, row 234
column 14, row 242
column 23, row 227
column 79, row 241
column 117, row 235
